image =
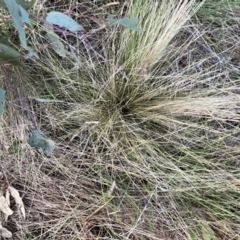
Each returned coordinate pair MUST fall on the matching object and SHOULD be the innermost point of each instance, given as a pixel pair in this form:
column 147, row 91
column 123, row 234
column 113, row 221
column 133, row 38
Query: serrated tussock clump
column 146, row 131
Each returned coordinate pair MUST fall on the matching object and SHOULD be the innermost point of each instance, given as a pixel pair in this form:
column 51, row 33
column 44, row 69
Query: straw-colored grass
column 146, row 128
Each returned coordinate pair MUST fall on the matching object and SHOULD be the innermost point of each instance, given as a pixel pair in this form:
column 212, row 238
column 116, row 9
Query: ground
column 146, row 124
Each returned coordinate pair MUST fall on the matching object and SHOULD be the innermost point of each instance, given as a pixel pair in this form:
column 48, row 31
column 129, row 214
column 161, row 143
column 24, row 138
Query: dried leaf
column 8, row 197
column 8, row 202
column 4, row 206
column 43, row 100
column 15, row 194
column 5, row 233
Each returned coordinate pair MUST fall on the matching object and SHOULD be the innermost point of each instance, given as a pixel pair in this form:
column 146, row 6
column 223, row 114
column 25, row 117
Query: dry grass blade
column 5, row 233
column 147, row 128
column 15, row 194
column 167, row 19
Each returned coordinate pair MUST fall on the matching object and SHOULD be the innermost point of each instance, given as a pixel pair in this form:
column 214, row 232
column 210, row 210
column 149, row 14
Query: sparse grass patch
column 221, row 13
column 147, row 132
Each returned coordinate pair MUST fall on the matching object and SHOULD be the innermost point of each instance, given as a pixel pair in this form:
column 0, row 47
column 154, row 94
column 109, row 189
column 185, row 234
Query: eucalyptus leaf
column 31, row 53
column 37, row 140
column 4, row 39
column 127, row 22
column 5, row 233
column 76, row 58
column 26, row 4
column 9, row 55
column 20, row 17
column 56, row 44
column 63, row 20
column 2, row 98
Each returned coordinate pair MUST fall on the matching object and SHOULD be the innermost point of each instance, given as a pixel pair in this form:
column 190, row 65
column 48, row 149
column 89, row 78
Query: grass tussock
column 146, row 126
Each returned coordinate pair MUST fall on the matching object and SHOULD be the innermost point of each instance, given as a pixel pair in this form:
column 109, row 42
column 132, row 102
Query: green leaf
column 63, row 20
column 4, row 40
column 30, row 54
column 26, row 4
column 10, row 55
column 78, row 62
column 37, row 140
column 56, row 44
column 128, row 22
column 20, row 17
column 207, row 232
column 2, row 98
column 15, row 147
